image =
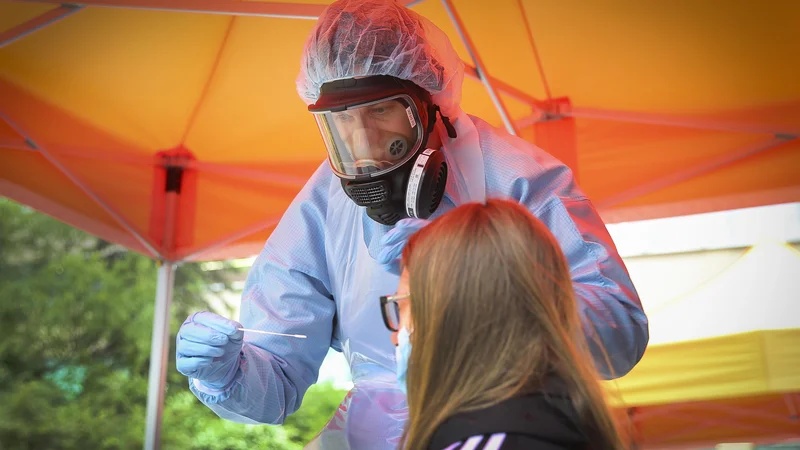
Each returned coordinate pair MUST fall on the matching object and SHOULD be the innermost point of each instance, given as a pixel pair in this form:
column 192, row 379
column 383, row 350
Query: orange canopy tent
column 172, row 126
column 723, row 364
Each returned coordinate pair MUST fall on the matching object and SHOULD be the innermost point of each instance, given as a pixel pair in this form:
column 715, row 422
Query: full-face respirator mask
column 376, row 130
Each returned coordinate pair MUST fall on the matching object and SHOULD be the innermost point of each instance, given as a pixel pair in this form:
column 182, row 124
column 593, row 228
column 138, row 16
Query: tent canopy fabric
column 724, row 359
column 759, row 291
column 173, row 126
column 695, row 394
column 749, row 364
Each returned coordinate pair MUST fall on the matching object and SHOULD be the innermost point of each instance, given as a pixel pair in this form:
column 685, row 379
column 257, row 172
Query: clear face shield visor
column 370, row 139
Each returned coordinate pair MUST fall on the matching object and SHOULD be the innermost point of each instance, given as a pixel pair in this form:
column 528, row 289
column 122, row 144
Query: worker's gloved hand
column 395, row 240
column 208, row 348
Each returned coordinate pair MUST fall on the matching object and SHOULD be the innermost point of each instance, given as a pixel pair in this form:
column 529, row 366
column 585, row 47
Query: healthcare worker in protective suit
column 384, row 86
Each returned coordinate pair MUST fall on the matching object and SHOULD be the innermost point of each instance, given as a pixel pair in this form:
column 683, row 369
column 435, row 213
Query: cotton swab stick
column 301, row 336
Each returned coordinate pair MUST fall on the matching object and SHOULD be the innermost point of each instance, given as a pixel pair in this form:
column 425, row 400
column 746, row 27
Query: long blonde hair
column 493, row 313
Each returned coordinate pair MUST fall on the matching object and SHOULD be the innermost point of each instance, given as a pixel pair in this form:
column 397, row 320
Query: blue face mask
column 401, row 353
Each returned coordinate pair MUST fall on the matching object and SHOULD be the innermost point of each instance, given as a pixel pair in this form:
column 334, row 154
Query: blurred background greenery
column 75, row 321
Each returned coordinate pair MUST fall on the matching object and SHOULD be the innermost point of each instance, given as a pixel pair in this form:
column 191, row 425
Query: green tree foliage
column 75, row 321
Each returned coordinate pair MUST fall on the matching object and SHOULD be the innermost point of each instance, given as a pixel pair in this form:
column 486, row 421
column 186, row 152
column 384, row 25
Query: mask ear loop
column 432, row 110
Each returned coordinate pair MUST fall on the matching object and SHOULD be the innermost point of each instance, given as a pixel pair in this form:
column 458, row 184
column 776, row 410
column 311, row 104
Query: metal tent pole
column 173, row 166
column 483, row 75
column 159, row 350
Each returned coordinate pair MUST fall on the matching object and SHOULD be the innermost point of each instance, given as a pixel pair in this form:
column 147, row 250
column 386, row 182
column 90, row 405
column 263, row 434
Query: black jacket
column 534, row 422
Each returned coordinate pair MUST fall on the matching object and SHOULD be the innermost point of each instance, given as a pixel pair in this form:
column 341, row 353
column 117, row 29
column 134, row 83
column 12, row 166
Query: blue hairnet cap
column 361, row 38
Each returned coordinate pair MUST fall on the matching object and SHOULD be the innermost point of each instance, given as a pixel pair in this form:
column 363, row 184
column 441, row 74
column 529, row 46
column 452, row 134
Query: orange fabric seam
column 204, row 93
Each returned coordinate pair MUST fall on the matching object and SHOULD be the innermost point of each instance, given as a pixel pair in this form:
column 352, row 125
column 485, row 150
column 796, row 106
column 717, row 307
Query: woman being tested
column 489, row 342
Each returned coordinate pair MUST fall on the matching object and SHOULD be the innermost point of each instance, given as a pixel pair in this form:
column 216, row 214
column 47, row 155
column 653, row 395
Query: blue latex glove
column 208, row 348
column 395, row 240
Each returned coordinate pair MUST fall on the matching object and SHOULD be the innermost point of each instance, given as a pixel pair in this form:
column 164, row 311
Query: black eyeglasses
column 390, row 310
